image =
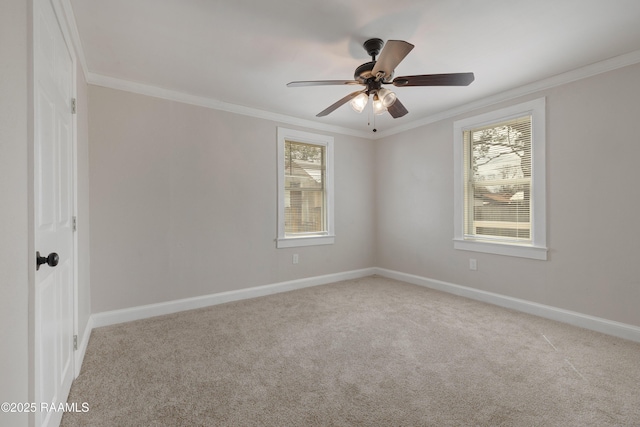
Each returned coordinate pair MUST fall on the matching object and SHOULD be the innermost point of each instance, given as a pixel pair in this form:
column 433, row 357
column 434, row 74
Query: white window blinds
column 304, row 197
column 497, row 179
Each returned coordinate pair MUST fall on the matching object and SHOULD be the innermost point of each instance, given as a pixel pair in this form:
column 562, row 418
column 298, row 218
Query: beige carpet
column 366, row 352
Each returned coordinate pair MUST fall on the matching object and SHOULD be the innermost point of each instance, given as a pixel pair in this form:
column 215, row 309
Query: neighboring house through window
column 305, row 189
column 500, row 181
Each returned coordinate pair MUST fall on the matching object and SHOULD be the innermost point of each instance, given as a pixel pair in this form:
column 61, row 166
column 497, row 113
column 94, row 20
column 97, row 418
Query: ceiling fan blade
column 397, row 109
column 339, row 103
column 453, row 79
column 323, row 83
column 393, row 52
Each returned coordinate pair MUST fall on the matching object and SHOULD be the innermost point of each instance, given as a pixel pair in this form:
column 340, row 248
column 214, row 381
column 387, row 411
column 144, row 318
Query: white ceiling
column 244, row 52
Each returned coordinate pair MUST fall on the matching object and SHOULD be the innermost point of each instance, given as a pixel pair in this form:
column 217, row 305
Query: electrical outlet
column 295, row 258
column 473, row 264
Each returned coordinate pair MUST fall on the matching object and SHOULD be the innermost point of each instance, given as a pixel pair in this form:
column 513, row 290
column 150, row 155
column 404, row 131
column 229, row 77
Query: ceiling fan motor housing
column 363, row 72
column 363, row 75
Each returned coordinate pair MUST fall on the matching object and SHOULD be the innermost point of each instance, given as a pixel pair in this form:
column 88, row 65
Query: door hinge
column 75, row 342
column 74, row 223
column 73, row 105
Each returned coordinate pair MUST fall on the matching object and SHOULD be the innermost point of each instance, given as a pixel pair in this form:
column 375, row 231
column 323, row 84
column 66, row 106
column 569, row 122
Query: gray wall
column 15, row 208
column 183, row 203
column 592, row 204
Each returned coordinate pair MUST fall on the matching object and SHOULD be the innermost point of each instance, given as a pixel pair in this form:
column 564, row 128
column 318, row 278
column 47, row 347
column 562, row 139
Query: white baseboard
column 610, row 327
column 107, row 318
column 142, row 312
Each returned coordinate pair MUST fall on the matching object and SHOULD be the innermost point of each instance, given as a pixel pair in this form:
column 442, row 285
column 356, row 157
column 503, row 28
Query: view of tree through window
column 498, row 180
column 304, row 188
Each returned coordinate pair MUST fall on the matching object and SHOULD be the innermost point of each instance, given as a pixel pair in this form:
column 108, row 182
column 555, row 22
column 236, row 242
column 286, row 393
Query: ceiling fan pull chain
column 374, row 124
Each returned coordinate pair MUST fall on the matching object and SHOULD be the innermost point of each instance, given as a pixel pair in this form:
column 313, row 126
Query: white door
column 54, row 211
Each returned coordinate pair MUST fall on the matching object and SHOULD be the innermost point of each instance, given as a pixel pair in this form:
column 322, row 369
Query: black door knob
column 51, row 260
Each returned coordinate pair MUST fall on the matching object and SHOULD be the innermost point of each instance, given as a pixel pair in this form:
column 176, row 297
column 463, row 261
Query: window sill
column 293, row 242
column 522, row 251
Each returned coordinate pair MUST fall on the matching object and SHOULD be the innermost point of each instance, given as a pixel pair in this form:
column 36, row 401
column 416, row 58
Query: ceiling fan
column 372, row 75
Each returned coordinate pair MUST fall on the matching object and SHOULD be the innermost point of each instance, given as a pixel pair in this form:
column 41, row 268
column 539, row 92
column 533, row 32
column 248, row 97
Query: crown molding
column 548, row 83
column 111, row 82
column 64, row 10
column 201, row 101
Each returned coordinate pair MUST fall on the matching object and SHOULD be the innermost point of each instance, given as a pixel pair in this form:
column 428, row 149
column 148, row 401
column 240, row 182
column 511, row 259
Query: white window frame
column 537, row 248
column 327, row 237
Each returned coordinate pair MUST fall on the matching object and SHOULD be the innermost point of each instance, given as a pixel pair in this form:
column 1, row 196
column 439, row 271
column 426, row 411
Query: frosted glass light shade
column 359, row 102
column 387, row 97
column 378, row 106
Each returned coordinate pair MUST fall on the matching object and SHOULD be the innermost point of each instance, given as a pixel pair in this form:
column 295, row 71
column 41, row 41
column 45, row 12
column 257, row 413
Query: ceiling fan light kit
column 378, row 105
column 359, row 102
column 372, row 75
column 387, row 97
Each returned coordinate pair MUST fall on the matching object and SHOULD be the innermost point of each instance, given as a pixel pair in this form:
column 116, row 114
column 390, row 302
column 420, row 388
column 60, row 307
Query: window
column 305, row 189
column 500, row 182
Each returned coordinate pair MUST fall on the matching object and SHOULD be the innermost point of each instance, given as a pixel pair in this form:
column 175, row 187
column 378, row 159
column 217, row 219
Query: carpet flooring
column 364, row 352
